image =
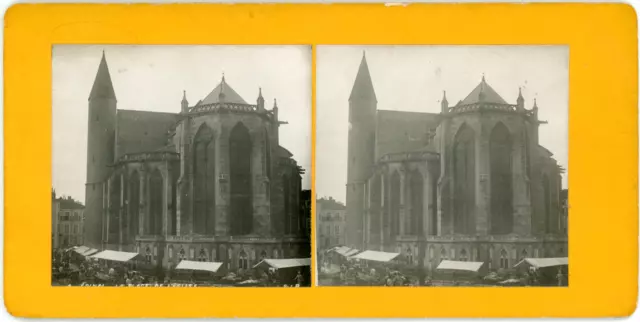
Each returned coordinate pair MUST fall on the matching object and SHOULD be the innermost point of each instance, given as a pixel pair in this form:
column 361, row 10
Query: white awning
column 544, row 262
column 199, row 266
column 372, row 255
column 80, row 249
column 90, row 252
column 112, row 255
column 342, row 250
column 460, row 265
column 285, row 263
column 351, row 252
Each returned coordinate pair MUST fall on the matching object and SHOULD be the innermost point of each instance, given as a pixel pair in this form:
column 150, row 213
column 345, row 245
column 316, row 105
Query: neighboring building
column 67, row 222
column 209, row 182
column 469, row 183
column 331, row 223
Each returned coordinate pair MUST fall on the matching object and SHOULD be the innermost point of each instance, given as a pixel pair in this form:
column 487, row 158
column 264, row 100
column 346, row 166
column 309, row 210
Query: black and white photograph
column 442, row 166
column 181, row 166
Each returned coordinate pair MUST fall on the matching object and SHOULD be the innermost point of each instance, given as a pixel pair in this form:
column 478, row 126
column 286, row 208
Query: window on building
column 147, row 255
column 501, row 180
column 524, row 254
column 182, row 254
column 463, row 255
column 375, row 203
column 546, row 195
column 156, row 188
column 204, row 181
column 464, row 180
column 240, row 173
column 443, row 254
column 504, row 259
column 202, row 256
column 395, row 203
column 134, row 205
column 417, row 203
column 243, row 261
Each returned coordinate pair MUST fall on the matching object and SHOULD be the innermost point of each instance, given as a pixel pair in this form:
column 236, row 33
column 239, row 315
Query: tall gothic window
column 114, row 216
column 501, row 181
column 243, row 261
column 241, row 190
column 504, row 259
column 267, row 154
column 173, row 211
column 156, row 201
column 547, row 203
column 527, row 160
column 376, row 203
column 464, row 180
column 204, row 182
column 417, row 202
column 134, row 204
column 463, row 255
column 433, row 223
column 286, row 196
column 385, row 214
column 395, row 204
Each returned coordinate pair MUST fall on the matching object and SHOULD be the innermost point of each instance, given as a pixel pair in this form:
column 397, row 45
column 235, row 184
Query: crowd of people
column 71, row 268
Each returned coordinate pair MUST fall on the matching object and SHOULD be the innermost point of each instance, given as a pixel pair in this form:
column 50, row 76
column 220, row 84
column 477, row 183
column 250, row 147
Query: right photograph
column 442, row 166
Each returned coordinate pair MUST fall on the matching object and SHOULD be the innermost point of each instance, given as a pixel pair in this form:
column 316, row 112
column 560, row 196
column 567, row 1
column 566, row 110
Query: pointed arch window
column 501, row 180
column 464, row 180
column 243, row 261
column 147, row 255
column 156, row 187
column 504, row 259
column 134, row 205
column 417, row 203
column 288, row 211
column 524, row 254
column 241, row 189
column 202, row 256
column 114, row 215
column 204, row 181
column 463, row 255
column 443, row 254
column 263, row 254
column 267, row 154
column 376, row 203
column 395, row 203
column 546, row 188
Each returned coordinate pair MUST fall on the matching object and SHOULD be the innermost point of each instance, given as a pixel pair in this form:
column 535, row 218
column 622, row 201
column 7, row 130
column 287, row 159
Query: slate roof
column 69, row 204
column 230, row 96
column 142, row 131
column 363, row 86
column 102, row 85
column 400, row 131
column 490, row 95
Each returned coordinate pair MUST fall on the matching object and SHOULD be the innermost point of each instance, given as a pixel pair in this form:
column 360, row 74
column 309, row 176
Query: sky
column 152, row 78
column 413, row 78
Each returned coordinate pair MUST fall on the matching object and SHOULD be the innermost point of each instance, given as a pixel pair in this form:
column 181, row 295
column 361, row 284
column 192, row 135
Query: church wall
column 221, row 125
column 482, row 125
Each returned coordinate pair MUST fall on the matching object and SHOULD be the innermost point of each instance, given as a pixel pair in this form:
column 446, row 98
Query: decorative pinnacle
column 275, row 103
column 259, row 91
column 535, row 103
column 483, row 80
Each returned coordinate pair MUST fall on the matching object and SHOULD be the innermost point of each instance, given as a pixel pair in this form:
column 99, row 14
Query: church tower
column 100, row 151
column 361, row 147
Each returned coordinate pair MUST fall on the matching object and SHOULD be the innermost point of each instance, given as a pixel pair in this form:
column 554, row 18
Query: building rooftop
column 483, row 93
column 222, row 92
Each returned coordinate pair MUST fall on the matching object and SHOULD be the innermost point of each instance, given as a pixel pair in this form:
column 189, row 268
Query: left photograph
column 181, row 166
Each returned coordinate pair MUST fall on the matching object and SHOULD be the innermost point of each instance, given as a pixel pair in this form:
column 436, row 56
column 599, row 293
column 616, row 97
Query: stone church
column 207, row 183
column 470, row 183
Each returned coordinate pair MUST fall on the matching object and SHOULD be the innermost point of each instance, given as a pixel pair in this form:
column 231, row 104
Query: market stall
column 545, row 271
column 196, row 271
column 287, row 270
column 461, row 272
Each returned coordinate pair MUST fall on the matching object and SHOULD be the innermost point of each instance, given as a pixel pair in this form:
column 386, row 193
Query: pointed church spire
column 363, row 86
column 444, row 104
column 221, row 95
column 520, row 101
column 184, row 104
column 260, row 100
column 102, row 85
